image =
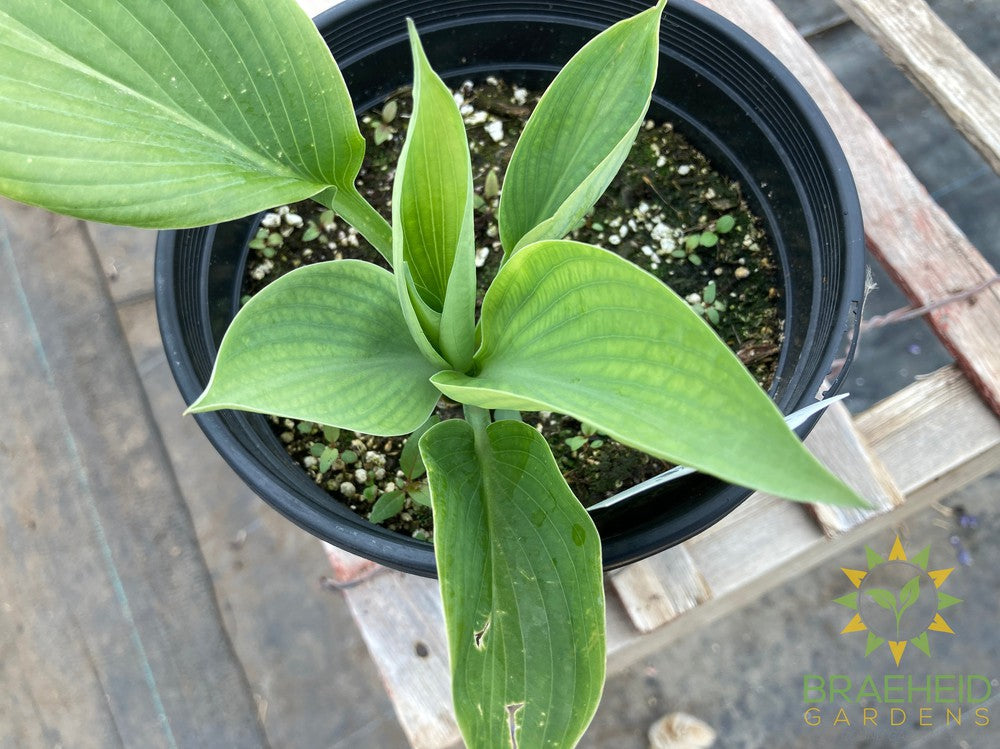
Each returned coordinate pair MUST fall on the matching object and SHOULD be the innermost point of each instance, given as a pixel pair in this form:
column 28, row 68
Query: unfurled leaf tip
column 415, row 45
column 202, row 403
column 198, row 406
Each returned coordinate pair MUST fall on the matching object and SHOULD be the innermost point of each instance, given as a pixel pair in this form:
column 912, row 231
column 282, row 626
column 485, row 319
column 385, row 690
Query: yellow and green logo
column 898, row 601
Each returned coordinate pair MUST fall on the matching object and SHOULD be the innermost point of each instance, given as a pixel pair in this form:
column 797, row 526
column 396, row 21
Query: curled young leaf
column 410, row 462
column 432, row 219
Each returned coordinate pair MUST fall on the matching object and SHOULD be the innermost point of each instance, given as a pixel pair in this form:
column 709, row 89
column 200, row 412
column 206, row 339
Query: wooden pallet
column 921, row 444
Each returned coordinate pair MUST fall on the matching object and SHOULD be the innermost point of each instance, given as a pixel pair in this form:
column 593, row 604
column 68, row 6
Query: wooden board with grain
column 401, row 619
column 937, row 61
column 934, row 436
column 659, row 589
column 839, row 445
column 110, row 632
column 916, row 241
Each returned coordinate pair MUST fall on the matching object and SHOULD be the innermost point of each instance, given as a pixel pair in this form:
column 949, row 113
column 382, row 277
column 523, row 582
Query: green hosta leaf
column 580, row 132
column 423, row 322
column 410, row 461
column 572, row 328
column 170, row 114
column 432, row 217
column 387, row 506
column 325, row 343
column 520, row 566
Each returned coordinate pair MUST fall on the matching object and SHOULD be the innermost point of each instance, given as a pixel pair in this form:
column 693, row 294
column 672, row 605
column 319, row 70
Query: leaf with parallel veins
column 572, row 328
column 519, row 561
column 170, row 114
column 432, row 219
column 580, row 133
column 325, row 343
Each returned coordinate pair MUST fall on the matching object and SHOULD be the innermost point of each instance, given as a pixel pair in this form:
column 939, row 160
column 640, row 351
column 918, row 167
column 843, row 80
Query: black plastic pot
column 724, row 91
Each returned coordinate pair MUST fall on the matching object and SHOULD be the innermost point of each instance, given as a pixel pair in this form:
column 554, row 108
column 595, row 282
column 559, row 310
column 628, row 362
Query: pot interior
column 721, row 90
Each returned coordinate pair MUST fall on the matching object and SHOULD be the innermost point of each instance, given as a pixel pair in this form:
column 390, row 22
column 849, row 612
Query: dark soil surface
column 668, row 211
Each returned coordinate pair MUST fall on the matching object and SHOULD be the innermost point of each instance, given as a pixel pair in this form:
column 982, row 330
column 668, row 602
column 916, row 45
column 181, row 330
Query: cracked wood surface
column 938, row 62
column 91, row 653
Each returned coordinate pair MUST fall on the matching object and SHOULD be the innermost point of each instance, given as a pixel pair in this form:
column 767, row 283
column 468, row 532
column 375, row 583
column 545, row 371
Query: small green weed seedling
column 175, row 113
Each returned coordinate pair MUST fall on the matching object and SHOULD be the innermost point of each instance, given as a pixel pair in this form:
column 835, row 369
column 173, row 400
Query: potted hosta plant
column 171, row 113
column 720, row 89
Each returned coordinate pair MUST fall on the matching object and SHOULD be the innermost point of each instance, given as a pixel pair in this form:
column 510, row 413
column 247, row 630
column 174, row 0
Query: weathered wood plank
column 937, row 61
column 837, row 442
column 761, row 534
column 99, row 556
column 126, row 256
column 660, row 588
column 919, row 245
column 934, row 436
column 401, row 619
column 348, row 568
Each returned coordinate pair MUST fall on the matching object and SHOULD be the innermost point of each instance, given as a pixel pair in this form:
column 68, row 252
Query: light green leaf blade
column 169, row 114
column 423, row 322
column 580, row 133
column 325, row 343
column 432, row 214
column 572, row 328
column 884, row 598
column 519, row 562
